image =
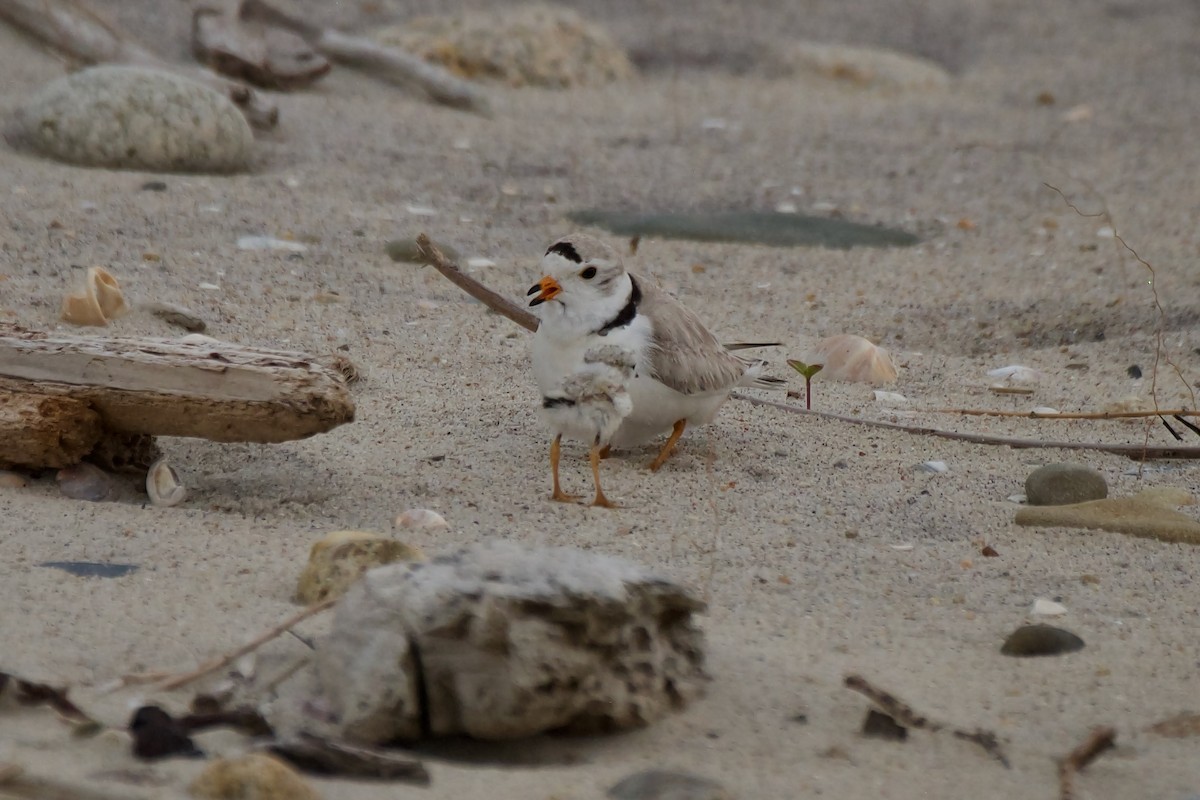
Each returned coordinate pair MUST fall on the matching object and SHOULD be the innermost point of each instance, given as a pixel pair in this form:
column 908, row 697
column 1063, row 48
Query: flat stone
column 339, row 559
column 122, row 117
column 500, row 641
column 662, row 784
column 751, row 227
column 1147, row 514
column 1063, row 484
column 860, row 67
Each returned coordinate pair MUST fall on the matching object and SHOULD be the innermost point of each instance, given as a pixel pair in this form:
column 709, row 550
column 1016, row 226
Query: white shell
column 1045, row 411
column 421, row 519
column 163, row 485
column 270, row 243
column 11, row 480
column 847, row 357
column 889, row 398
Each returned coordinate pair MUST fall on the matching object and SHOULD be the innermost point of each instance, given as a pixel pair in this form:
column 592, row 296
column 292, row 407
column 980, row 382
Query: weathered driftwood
column 248, row 51
column 387, row 62
column 42, row 430
column 73, row 30
column 162, row 387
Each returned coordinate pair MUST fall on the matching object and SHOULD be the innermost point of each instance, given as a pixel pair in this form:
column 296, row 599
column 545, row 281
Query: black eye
column 588, row 273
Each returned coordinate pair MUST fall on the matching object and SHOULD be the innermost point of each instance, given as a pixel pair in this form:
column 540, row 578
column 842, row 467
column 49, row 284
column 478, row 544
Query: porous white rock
column 123, row 117
column 501, row 641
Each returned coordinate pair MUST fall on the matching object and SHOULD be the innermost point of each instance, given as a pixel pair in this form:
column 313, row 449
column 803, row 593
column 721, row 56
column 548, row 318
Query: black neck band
column 626, row 314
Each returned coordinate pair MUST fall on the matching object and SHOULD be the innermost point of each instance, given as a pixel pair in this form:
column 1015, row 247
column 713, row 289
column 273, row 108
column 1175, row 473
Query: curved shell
column 421, row 519
column 100, row 301
column 847, row 357
column 163, row 485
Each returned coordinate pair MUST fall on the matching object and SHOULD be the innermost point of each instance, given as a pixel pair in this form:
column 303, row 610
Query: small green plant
column 807, row 370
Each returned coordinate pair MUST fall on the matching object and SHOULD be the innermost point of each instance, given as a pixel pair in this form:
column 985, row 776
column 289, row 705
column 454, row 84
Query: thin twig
column 905, row 715
column 988, row 412
column 1136, row 452
column 220, row 662
column 1098, row 741
column 496, row 302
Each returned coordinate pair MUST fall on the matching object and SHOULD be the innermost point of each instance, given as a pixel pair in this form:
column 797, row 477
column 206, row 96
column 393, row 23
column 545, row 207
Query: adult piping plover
column 589, row 405
column 682, row 374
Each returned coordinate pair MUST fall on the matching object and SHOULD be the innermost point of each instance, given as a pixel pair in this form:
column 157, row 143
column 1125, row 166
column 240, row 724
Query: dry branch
column 1137, row 452
column 496, row 302
column 386, row 62
column 164, row 387
column 906, row 716
column 70, row 28
column 1098, row 741
column 220, row 662
column 988, row 412
column 266, row 57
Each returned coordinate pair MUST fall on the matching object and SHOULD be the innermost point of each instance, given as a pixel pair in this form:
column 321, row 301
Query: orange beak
column 547, row 289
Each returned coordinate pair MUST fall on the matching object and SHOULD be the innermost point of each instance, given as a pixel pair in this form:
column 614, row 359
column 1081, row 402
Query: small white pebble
column 786, row 208
column 479, row 262
column 1017, row 498
column 901, row 548
column 1047, row 608
column 291, row 183
column 1015, row 373
column 421, row 211
column 269, row 243
column 211, row 209
column 823, row 207
column 933, row 466
column 889, row 398
column 1045, row 411
column 1106, row 232
column 426, row 305
column 210, row 287
column 421, row 518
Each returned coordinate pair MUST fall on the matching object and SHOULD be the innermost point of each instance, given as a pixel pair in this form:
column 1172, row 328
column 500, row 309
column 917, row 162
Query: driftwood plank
column 39, row 430
column 166, row 387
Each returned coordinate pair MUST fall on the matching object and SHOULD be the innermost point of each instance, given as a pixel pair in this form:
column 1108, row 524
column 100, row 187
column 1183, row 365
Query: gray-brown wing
column 683, row 354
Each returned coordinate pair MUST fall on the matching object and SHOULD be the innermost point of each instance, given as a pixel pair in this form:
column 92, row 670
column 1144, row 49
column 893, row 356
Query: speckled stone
column 122, row 117
column 1063, row 484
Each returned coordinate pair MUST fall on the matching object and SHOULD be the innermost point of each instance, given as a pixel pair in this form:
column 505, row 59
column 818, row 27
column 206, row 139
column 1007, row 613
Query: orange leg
column 595, row 457
column 559, row 494
column 665, row 453
column 606, row 451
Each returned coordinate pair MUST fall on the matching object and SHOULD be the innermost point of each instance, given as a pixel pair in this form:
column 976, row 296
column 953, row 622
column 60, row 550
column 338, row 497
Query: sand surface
column 790, row 525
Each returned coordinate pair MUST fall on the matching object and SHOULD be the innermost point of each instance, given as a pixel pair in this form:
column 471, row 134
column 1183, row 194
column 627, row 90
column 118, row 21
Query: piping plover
column 589, row 406
column 682, row 373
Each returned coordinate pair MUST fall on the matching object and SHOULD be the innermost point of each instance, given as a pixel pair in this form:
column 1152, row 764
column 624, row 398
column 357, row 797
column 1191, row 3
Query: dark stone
column 1040, row 640
column 156, row 734
column 752, row 227
column 91, row 569
column 878, row 725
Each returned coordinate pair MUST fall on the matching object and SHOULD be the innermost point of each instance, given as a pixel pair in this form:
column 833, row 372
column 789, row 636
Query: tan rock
column 338, row 560
column 529, row 45
column 865, row 67
column 253, row 777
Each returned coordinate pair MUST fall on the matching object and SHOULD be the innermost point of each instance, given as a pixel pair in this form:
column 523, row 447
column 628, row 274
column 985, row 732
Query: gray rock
column 661, row 784
column 133, row 118
column 500, row 641
column 1061, row 484
column 1040, row 640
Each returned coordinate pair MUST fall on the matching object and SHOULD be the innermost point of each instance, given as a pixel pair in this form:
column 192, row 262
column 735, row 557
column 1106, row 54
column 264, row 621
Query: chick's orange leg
column 594, row 457
column 665, row 453
column 558, row 494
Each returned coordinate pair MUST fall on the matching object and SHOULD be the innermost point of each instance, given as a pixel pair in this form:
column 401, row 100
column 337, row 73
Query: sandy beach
column 821, row 547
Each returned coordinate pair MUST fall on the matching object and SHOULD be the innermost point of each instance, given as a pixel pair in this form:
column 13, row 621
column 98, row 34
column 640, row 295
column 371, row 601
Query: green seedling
column 807, row 370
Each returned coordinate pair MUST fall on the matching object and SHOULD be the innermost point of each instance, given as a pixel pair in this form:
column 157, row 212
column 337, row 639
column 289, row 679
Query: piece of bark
column 386, row 62
column 45, row 430
column 164, row 387
column 246, row 51
column 70, row 28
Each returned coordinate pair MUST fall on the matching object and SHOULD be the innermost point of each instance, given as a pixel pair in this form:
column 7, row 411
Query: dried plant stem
column 496, row 302
column 907, row 716
column 1097, row 742
column 987, row 412
column 1136, row 452
column 220, row 662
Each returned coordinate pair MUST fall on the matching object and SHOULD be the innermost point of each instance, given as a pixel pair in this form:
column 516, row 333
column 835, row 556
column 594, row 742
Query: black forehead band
column 566, row 250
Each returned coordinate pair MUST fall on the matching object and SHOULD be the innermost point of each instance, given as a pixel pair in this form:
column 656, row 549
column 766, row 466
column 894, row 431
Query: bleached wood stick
column 387, row 62
column 68, row 27
column 164, row 387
